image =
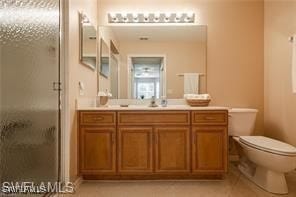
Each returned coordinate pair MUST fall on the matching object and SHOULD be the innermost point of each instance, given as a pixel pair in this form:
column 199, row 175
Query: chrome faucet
column 153, row 102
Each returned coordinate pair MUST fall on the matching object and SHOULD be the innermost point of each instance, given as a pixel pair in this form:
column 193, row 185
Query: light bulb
column 179, row 15
column 146, row 17
column 124, row 17
column 112, row 15
column 135, row 17
column 167, row 17
column 156, row 17
column 190, row 15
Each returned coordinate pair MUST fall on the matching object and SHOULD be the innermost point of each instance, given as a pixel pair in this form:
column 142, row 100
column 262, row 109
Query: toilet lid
column 269, row 145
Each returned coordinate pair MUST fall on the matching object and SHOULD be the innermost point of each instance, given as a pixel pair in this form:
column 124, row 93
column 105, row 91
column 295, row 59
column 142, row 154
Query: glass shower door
column 29, row 92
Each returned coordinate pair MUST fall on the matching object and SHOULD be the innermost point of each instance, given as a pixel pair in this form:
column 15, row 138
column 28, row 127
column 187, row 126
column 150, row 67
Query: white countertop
column 146, row 108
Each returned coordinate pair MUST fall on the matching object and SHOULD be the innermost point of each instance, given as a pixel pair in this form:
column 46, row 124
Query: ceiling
column 146, row 67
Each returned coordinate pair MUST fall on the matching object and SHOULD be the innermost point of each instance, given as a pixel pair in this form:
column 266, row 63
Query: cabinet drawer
column 97, row 118
column 209, row 117
column 154, row 118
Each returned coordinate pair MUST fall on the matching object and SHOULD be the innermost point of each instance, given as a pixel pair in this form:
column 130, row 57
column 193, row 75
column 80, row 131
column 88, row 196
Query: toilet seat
column 269, row 145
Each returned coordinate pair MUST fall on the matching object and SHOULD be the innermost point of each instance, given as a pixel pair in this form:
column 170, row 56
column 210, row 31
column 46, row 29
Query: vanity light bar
column 151, row 18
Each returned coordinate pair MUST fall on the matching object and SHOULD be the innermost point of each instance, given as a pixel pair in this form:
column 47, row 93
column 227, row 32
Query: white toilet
column 263, row 160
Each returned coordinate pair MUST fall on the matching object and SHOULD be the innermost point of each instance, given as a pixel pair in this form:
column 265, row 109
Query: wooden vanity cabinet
column 135, row 150
column 172, row 149
column 97, row 150
column 153, row 144
column 209, row 149
column 169, row 141
column 209, row 141
column 97, row 142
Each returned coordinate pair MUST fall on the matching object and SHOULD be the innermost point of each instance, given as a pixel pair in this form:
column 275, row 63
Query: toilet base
column 268, row 180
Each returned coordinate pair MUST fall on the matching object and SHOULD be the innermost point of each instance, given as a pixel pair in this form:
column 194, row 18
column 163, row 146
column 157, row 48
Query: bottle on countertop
column 164, row 101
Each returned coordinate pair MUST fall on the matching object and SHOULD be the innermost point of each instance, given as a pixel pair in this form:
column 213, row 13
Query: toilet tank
column 241, row 121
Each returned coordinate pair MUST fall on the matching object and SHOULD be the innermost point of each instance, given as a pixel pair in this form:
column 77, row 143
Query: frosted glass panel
column 29, row 114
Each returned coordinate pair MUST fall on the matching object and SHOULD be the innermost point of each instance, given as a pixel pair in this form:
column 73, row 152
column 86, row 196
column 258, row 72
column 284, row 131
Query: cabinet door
column 209, row 150
column 172, row 149
column 135, row 150
column 97, row 150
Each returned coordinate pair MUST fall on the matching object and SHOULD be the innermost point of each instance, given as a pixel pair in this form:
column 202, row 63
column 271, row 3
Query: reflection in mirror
column 104, row 59
column 156, row 61
column 146, row 77
column 88, row 43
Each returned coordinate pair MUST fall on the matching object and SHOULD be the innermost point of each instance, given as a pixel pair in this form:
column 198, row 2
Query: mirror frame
column 114, row 54
column 82, row 17
column 107, row 76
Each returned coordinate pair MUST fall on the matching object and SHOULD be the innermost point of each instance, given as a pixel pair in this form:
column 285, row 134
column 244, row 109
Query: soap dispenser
column 164, row 101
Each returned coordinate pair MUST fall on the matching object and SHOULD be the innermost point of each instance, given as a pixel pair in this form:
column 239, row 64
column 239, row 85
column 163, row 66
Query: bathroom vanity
column 140, row 142
column 153, row 143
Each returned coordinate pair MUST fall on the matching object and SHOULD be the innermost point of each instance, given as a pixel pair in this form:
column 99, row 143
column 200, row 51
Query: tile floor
column 235, row 185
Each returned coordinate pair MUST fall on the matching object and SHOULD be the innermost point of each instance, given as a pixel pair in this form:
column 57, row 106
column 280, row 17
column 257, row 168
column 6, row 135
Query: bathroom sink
column 144, row 107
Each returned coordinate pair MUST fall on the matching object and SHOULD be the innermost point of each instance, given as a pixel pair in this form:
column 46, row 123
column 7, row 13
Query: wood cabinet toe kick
column 153, row 144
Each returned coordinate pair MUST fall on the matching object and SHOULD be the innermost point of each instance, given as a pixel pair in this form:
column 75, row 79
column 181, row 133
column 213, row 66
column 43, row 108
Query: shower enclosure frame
column 64, row 139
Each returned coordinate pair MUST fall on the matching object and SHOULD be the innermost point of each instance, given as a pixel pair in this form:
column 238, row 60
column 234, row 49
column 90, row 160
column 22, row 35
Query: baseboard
column 78, row 182
column 150, row 177
column 233, row 158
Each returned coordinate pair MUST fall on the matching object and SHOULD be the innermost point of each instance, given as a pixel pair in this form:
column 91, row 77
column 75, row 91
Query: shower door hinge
column 56, row 86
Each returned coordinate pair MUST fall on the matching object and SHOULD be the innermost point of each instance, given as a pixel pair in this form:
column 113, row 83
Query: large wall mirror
column 153, row 60
column 88, row 42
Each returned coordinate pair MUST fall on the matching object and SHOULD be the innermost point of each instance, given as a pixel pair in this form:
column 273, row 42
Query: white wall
column 279, row 101
column 76, row 71
column 235, row 59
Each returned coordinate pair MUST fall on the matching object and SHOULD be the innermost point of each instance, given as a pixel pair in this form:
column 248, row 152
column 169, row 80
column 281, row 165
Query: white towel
column 191, row 83
column 294, row 64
